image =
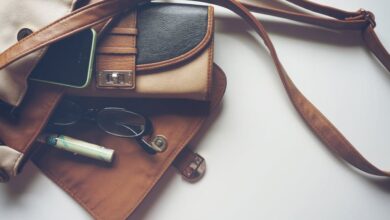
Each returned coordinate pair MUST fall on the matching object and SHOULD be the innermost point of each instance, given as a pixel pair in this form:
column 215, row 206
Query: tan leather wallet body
column 166, row 49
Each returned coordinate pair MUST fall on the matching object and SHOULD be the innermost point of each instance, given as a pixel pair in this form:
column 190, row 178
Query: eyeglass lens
column 66, row 113
column 121, row 122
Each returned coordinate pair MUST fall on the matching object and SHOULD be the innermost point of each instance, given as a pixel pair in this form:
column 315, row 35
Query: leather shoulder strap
column 336, row 19
column 339, row 20
column 318, row 123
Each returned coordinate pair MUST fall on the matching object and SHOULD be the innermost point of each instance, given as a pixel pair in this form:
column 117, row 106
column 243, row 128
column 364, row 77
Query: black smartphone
column 68, row 62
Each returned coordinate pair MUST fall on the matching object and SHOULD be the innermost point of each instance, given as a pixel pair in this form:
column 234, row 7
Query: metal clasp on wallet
column 116, row 79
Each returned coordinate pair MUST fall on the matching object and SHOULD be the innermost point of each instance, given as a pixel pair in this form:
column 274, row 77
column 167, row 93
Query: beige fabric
column 9, row 162
column 191, row 80
column 15, row 15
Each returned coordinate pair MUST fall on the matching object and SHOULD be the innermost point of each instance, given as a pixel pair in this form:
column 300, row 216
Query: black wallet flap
column 171, row 33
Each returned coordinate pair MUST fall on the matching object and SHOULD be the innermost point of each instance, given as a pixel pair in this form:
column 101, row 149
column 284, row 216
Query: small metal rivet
column 23, row 33
column 160, row 142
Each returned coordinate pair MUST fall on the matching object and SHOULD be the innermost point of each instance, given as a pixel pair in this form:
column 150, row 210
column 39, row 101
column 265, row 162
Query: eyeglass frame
column 140, row 138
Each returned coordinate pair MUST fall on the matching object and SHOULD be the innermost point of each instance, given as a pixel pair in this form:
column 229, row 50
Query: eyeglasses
column 115, row 121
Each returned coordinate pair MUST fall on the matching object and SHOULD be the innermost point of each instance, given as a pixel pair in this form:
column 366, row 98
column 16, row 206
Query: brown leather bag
column 156, row 59
column 75, row 175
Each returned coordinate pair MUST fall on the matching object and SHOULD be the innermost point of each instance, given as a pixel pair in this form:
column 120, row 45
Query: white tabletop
column 263, row 161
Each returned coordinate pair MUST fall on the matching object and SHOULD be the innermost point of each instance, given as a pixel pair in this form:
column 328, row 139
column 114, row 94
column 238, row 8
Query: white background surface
column 263, row 162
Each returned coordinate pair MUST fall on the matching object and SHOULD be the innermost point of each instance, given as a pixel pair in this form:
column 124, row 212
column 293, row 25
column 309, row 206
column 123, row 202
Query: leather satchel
column 95, row 186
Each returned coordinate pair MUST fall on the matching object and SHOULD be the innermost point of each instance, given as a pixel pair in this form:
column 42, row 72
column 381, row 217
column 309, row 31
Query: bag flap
column 114, row 191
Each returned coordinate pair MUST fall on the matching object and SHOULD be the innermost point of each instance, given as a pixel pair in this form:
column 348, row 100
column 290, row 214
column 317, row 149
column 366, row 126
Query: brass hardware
column 159, row 143
column 116, row 79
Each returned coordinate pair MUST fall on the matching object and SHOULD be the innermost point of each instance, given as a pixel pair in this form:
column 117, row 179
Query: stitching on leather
column 209, row 73
column 210, row 59
column 185, row 56
column 133, row 38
